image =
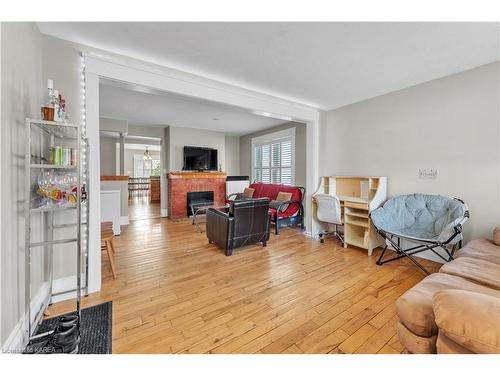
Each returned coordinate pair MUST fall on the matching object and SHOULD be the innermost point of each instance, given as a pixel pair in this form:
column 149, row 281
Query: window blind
column 273, row 161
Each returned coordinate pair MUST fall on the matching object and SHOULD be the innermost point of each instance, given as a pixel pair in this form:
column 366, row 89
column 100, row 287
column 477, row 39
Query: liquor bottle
column 50, row 88
column 48, row 108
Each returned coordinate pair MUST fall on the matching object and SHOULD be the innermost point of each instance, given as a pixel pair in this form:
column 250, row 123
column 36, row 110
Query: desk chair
column 328, row 211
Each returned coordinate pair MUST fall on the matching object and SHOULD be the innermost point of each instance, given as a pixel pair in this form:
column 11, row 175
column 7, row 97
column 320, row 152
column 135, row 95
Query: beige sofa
column 456, row 310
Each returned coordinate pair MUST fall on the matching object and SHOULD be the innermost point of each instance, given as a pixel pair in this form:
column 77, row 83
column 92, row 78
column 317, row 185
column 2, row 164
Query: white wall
column 113, row 125
column 21, row 97
column 180, row 137
column 232, row 145
column 108, row 161
column 62, row 63
column 450, row 124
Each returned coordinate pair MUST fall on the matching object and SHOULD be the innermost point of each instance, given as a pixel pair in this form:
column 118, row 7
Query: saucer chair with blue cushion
column 431, row 221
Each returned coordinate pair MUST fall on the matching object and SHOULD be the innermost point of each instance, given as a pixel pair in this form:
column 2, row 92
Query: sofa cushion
column 281, row 215
column 421, row 216
column 480, row 249
column 476, row 270
column 248, row 193
column 444, row 345
column 271, row 191
column 470, row 319
column 283, row 197
column 496, row 236
column 415, row 344
column 414, row 308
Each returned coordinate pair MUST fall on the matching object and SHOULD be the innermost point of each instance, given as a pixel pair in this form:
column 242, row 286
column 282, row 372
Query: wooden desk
column 358, row 196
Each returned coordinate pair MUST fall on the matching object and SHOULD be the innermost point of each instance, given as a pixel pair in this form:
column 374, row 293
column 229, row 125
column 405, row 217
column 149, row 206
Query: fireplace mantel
column 195, row 175
column 183, row 182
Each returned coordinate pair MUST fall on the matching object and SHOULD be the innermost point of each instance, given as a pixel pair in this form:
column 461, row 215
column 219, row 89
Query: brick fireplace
column 181, row 183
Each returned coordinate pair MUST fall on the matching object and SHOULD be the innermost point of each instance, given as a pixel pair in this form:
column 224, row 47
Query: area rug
column 95, row 329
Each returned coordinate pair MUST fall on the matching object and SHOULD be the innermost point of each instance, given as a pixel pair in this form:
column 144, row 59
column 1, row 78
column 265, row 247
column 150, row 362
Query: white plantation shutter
column 273, row 161
column 286, row 162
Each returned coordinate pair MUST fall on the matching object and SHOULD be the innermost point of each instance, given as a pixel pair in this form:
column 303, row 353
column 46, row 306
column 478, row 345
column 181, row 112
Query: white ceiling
column 141, row 106
column 322, row 64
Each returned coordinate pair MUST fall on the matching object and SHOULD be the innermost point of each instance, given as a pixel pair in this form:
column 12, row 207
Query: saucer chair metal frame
column 423, row 244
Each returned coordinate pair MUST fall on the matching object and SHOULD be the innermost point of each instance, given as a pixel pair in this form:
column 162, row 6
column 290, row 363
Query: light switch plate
column 427, row 174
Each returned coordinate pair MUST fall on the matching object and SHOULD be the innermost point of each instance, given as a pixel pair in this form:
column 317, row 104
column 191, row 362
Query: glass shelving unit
column 43, row 226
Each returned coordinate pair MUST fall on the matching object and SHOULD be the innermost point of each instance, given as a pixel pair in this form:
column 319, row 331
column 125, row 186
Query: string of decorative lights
column 84, row 166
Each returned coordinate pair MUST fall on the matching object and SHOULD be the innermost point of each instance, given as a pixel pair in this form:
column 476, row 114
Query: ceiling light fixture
column 272, row 115
column 147, row 155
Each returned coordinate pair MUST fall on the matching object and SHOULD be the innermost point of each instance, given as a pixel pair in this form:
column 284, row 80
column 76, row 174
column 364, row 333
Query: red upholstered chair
column 290, row 212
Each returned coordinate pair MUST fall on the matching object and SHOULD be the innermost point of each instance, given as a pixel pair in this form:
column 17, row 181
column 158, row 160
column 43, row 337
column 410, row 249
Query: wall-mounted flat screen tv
column 199, row 159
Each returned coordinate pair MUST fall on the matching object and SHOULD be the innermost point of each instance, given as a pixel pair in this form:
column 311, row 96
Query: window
column 146, row 168
column 155, row 167
column 273, row 158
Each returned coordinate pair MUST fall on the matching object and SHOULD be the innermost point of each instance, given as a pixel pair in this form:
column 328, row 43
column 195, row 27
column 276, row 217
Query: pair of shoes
column 64, row 339
column 66, row 321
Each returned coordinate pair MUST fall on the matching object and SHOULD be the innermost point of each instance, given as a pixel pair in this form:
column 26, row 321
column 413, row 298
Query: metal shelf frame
column 70, row 133
column 51, row 166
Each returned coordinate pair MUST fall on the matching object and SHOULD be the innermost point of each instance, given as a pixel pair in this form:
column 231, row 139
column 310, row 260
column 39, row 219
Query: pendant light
column 147, row 155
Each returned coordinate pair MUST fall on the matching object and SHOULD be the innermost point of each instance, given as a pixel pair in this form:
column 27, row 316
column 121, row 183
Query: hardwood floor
column 140, row 208
column 175, row 293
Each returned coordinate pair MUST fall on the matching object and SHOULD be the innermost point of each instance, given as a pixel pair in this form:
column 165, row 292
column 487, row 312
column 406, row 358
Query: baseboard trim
column 18, row 337
column 164, row 212
column 17, row 340
column 124, row 220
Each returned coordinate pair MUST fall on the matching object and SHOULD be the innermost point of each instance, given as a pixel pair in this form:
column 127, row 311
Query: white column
column 122, row 154
column 312, row 159
column 92, row 120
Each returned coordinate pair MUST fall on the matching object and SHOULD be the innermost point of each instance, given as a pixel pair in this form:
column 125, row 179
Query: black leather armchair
column 243, row 223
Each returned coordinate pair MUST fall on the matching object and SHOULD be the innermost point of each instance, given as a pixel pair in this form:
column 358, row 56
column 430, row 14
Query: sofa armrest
column 470, row 319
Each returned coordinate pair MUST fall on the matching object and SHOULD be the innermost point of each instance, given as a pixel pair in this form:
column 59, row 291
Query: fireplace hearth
column 197, row 199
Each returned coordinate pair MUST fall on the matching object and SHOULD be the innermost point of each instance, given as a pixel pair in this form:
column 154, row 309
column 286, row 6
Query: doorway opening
column 142, row 165
column 161, row 82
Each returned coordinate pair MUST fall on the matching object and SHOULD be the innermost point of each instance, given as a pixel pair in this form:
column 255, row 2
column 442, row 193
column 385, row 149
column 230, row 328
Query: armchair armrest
column 470, row 319
column 222, row 212
column 232, row 195
column 219, row 227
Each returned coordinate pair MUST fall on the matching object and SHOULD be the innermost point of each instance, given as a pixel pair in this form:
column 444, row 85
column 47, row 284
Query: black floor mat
column 95, row 329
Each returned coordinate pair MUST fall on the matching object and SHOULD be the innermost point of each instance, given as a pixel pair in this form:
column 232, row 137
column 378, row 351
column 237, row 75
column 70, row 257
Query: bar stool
column 107, row 236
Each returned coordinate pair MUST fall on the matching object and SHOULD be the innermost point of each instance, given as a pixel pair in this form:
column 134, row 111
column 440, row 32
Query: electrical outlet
column 427, row 174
